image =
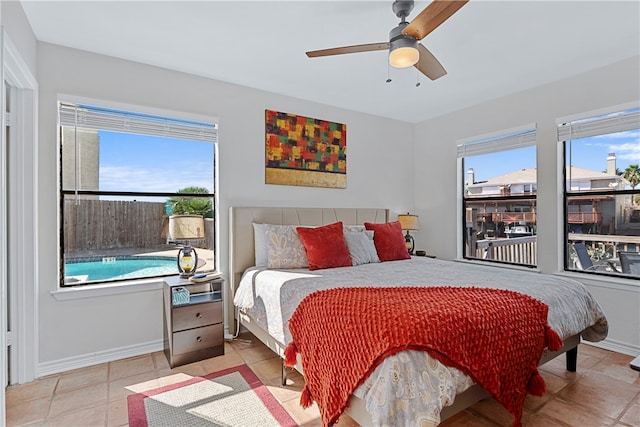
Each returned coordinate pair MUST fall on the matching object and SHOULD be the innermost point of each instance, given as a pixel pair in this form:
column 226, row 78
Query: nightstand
column 193, row 321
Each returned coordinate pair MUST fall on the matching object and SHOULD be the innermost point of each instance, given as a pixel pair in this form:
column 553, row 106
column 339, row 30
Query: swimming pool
column 118, row 267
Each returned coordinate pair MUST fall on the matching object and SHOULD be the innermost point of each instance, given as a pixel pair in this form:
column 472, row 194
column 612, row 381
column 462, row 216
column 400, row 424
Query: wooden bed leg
column 572, row 359
column 283, row 375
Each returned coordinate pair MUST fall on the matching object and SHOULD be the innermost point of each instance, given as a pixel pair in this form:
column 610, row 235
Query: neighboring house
column 597, row 214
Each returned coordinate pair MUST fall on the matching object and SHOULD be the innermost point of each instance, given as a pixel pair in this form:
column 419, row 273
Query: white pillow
column 361, row 247
column 260, row 245
column 354, row 228
column 284, row 247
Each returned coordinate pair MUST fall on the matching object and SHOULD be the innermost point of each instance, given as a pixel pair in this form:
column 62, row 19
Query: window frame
column 619, row 119
column 503, row 140
column 117, row 286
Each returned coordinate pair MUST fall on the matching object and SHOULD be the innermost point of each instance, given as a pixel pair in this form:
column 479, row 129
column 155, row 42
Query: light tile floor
column 604, row 391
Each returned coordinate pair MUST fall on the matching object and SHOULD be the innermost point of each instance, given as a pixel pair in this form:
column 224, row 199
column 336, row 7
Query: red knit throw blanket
column 495, row 336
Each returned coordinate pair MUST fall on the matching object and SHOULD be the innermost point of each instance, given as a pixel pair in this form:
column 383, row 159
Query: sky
column 587, row 153
column 130, row 162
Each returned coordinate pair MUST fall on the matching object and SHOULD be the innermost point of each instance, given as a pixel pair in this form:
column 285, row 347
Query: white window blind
column 98, row 118
column 625, row 121
column 522, row 139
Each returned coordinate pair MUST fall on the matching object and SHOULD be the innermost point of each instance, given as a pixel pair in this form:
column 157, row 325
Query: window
column 602, row 194
column 124, row 176
column 499, row 198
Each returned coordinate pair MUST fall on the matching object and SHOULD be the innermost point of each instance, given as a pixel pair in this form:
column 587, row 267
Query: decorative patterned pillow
column 389, row 241
column 284, row 247
column 361, row 247
column 325, row 246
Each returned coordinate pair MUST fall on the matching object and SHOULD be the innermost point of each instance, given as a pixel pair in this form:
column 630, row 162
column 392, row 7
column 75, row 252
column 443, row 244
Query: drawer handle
column 199, row 339
column 198, row 316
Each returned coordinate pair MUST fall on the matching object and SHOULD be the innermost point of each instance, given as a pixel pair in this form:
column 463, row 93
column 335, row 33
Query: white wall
column 435, row 154
column 376, row 173
column 15, row 23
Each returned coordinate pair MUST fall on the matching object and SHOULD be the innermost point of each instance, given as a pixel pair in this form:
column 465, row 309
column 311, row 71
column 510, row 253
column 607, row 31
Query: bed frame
column 242, row 256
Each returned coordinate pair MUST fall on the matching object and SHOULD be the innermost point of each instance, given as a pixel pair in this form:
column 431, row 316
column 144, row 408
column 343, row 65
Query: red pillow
column 325, row 246
column 389, row 241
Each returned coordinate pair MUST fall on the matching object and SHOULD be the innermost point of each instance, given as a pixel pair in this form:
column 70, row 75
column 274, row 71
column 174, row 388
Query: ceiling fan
column 403, row 46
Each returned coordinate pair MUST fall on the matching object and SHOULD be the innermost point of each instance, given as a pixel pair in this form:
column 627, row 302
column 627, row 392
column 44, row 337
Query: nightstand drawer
column 198, row 339
column 193, row 316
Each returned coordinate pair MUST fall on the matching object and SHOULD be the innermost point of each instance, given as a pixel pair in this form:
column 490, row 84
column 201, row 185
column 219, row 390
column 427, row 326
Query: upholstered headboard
column 241, row 249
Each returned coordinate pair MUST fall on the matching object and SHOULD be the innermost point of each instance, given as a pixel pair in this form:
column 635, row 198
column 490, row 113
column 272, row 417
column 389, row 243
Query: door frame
column 21, row 267
column 3, row 249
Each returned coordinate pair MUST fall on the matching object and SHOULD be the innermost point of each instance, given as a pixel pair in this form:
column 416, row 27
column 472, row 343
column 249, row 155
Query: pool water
column 119, row 267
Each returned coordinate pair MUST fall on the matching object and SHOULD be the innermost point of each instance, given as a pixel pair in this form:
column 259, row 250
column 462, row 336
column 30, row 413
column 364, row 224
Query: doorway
column 18, row 220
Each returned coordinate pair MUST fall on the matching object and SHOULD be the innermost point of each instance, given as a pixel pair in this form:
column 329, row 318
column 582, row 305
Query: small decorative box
column 180, row 295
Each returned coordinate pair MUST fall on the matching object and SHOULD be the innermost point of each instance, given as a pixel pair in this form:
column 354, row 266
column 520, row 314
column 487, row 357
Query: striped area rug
column 231, row 397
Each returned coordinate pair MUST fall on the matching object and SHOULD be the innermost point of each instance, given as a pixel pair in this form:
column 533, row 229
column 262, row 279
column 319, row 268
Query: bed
column 265, row 313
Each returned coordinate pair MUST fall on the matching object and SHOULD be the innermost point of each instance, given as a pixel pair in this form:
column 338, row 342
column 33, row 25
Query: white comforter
column 411, row 388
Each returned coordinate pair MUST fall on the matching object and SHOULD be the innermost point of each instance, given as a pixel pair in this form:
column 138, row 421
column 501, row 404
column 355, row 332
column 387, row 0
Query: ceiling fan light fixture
column 403, row 49
column 403, row 56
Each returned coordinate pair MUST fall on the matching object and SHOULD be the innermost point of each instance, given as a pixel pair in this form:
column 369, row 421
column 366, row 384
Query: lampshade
column 186, row 227
column 403, row 49
column 408, row 222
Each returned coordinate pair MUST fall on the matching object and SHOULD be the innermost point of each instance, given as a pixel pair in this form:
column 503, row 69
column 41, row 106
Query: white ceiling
column 489, row 48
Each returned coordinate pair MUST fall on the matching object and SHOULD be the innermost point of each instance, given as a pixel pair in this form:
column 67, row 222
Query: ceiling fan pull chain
column 388, row 72
column 417, row 78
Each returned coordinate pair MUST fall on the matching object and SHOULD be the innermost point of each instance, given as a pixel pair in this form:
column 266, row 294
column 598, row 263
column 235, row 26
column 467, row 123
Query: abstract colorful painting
column 305, row 151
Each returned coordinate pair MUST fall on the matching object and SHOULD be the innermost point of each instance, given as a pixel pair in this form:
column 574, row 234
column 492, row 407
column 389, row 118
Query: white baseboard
column 84, row 360
column 617, row 346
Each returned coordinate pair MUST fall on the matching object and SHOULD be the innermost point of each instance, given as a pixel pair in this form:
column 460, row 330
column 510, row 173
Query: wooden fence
column 94, row 225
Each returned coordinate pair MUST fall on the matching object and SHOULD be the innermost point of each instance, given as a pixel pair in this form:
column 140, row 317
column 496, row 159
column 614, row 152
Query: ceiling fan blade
column 348, row 49
column 431, row 17
column 428, row 64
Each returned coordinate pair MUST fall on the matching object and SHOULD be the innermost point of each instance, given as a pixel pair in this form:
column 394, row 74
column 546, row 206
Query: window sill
column 609, row 282
column 99, row 290
column 498, row 265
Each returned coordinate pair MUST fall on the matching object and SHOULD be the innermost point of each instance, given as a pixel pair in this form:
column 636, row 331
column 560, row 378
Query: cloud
column 155, row 180
column 625, row 145
column 629, row 150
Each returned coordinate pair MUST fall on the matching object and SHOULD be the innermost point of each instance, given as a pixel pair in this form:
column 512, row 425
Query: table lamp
column 184, row 228
column 409, row 222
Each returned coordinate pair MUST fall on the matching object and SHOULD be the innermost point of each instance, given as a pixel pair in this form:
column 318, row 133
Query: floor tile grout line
column 53, row 392
column 634, row 401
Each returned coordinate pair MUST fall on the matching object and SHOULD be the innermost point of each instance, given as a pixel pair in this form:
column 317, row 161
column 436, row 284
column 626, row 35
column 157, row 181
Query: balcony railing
column 584, row 217
column 603, row 250
column 530, row 217
column 607, row 242
column 517, row 250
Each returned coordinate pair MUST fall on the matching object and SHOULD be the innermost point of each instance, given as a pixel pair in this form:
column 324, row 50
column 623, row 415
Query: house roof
column 522, row 176
column 528, row 176
column 490, row 49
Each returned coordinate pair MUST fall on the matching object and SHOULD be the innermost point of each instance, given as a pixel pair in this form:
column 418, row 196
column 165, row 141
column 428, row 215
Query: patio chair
column 587, row 264
column 630, row 262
